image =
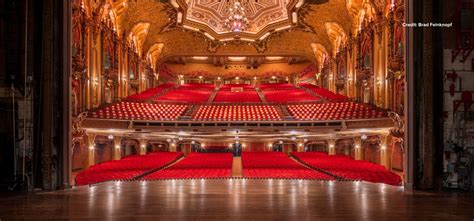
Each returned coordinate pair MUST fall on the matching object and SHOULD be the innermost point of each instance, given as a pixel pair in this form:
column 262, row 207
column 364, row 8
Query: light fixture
column 168, row 140
column 300, row 144
column 91, row 147
column 363, row 137
column 293, row 138
column 237, row 58
column 270, row 145
column 200, row 58
column 180, row 138
column 244, row 145
column 117, row 146
column 203, row 145
column 305, row 140
column 193, row 142
column 110, row 137
column 357, row 146
column 237, row 21
column 281, row 141
column 230, row 145
column 383, row 147
column 274, row 58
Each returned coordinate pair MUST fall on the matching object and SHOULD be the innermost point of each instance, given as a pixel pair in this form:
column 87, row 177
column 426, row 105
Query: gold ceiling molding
column 336, row 35
column 153, row 54
column 320, row 53
column 162, row 18
column 137, row 36
column 264, row 16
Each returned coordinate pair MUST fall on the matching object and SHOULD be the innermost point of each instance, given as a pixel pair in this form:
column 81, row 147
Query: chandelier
column 236, row 22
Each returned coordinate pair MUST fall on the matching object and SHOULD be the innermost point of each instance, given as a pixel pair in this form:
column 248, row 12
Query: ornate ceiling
column 322, row 26
column 263, row 16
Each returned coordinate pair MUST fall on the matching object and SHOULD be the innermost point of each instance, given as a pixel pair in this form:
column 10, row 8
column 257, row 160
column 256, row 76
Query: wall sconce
column 91, row 147
column 270, row 145
column 383, row 147
column 203, row 145
column 110, row 137
column 357, row 146
column 117, row 146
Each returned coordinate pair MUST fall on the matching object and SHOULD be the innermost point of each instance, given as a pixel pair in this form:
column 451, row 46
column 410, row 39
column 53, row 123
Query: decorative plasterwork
column 265, row 16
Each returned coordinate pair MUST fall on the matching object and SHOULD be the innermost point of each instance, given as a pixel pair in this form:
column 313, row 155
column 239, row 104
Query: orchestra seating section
column 127, row 168
column 141, row 111
column 347, row 168
column 237, row 113
column 197, row 166
column 324, row 93
column 334, row 111
column 277, row 165
column 281, row 93
column 150, row 93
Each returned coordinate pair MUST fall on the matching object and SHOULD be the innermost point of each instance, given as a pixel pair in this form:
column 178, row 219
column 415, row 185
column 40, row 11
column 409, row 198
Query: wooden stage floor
column 238, row 199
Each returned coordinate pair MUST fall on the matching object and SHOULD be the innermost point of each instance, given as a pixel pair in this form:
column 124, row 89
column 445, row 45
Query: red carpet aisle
column 197, row 165
column 276, row 165
column 345, row 167
column 126, row 168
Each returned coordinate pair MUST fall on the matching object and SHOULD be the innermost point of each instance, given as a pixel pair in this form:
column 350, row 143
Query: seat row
column 329, row 95
column 150, row 93
column 334, row 111
column 125, row 169
column 141, row 111
column 345, row 167
column 236, row 113
column 290, row 95
column 276, row 165
column 197, row 165
column 247, row 96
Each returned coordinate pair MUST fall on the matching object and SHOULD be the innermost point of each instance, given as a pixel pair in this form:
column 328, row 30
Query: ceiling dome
column 264, row 16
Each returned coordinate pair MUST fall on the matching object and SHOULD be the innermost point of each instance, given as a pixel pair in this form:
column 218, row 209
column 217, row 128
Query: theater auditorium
column 237, row 110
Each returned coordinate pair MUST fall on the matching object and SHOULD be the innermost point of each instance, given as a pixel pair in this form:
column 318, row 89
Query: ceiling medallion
column 237, row 21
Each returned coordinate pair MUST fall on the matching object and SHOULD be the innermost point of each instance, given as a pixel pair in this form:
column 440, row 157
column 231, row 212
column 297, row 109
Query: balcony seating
column 196, row 166
column 244, row 86
column 334, row 111
column 125, row 169
column 196, row 86
column 150, row 93
column 288, row 95
column 186, row 95
column 140, row 111
column 237, row 113
column 325, row 93
column 276, row 86
column 276, row 165
column 248, row 96
column 345, row 167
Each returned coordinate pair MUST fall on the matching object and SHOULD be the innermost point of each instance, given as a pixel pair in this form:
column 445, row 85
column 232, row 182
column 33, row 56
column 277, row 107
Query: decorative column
column 91, row 149
column 332, row 147
column 358, row 151
column 117, row 148
column 385, row 151
column 143, row 147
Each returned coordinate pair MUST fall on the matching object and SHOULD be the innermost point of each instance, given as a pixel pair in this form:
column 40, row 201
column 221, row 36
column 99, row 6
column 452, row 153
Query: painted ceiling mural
column 322, row 22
